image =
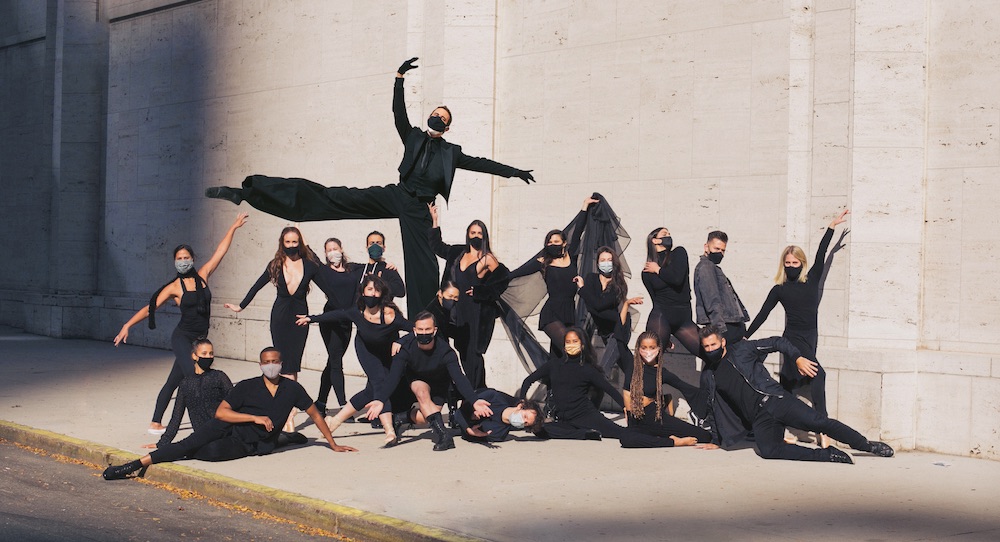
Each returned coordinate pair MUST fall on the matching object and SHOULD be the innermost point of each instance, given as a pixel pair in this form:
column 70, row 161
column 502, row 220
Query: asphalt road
column 45, row 499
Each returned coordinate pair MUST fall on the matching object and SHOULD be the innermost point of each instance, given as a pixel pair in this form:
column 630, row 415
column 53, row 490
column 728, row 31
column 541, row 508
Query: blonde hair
column 799, row 255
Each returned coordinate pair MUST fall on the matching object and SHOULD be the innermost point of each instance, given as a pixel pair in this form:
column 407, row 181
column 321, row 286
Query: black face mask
column 447, row 304
column 424, row 338
column 554, row 251
column 205, row 363
column 291, row 251
column 370, row 301
column 437, row 124
column 793, row 273
column 713, row 356
column 715, row 257
column 667, row 242
column 476, row 243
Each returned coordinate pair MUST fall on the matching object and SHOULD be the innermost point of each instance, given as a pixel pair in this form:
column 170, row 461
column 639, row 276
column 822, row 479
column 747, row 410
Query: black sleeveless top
column 191, row 320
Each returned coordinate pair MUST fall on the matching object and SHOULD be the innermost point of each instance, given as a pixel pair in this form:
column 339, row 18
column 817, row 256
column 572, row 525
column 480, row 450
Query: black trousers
column 576, row 429
column 778, row 412
column 213, row 442
column 473, row 363
column 301, row 200
column 667, row 426
column 336, row 337
column 180, row 342
column 789, row 375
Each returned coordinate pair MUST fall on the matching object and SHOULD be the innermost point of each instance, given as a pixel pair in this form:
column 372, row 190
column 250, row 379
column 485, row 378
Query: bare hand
column 395, row 348
column 807, row 367
column 651, row 267
column 234, row 308
column 302, row 320
column 684, row 441
column 374, row 409
column 707, row 446
column 477, row 431
column 433, row 209
column 840, row 218
column 482, row 408
column 579, row 281
column 339, row 448
column 390, row 266
column 588, row 201
column 122, row 336
column 264, row 421
column 469, row 292
column 241, row 219
column 637, row 300
column 150, row 446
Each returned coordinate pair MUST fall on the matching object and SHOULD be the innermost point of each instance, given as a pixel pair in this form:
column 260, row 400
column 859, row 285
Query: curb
column 342, row 520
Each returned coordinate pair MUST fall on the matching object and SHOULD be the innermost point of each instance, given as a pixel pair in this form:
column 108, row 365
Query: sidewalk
column 528, row 490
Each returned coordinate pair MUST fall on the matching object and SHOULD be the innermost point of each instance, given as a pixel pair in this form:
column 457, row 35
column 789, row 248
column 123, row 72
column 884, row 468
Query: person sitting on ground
column 248, row 422
column 199, row 394
column 430, row 366
column 742, row 397
column 508, row 413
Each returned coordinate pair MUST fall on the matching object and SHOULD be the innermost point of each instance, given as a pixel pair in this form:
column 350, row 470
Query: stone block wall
column 759, row 118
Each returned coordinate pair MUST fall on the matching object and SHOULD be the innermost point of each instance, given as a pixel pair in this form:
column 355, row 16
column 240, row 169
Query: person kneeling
column 244, row 423
column 430, row 365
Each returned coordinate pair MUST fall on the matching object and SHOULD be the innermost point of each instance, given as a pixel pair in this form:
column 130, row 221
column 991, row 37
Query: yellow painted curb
column 342, row 520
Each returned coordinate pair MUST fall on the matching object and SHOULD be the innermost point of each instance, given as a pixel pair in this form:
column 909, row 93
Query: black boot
column 234, row 195
column 880, row 448
column 592, row 434
column 444, row 438
column 399, row 419
column 839, row 456
column 121, row 472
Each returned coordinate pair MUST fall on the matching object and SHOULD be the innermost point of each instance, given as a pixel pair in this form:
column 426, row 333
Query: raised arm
column 143, row 313
column 765, row 310
column 403, row 125
column 221, row 250
column 530, row 267
column 540, row 373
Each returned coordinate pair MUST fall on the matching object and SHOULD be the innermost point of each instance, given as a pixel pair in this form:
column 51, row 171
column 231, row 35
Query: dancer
column 739, row 382
column 717, row 302
column 340, row 284
column 570, row 377
column 429, row 367
column 557, row 267
column 294, row 266
column 797, row 289
column 480, row 280
column 666, row 278
column 379, row 322
column 508, row 413
column 427, row 169
column 375, row 245
column 189, row 290
column 199, row 394
column 443, row 308
column 604, row 293
column 645, row 403
column 246, row 423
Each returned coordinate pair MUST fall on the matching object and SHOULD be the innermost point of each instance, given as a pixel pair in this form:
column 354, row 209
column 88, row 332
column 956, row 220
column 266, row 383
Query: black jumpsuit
column 192, row 326
column 670, row 290
column 604, row 309
column 668, row 425
column 340, row 288
column 801, row 303
column 288, row 338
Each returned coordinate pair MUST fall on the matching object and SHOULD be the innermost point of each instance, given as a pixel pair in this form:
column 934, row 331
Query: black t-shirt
column 737, row 392
column 251, row 397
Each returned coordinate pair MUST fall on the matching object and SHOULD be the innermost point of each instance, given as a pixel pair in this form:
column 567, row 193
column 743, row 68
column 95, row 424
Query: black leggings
column 336, row 337
column 667, row 426
column 778, row 412
column 576, row 429
column 556, row 332
column 212, row 443
column 473, row 363
column 676, row 321
column 181, row 342
column 789, row 375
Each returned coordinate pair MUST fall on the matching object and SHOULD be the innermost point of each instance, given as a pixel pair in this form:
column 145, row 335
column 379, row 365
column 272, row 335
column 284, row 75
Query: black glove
column 407, row 66
column 525, row 175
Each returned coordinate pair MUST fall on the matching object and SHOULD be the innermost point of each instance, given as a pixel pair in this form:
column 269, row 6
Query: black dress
column 288, row 338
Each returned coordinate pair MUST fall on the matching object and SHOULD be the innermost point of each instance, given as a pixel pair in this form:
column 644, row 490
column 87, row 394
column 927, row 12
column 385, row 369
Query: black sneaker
column 839, row 456
column 592, row 434
column 880, row 449
column 234, row 195
column 121, row 472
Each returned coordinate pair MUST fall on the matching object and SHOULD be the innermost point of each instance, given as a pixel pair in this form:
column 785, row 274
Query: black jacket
column 413, row 140
column 748, row 358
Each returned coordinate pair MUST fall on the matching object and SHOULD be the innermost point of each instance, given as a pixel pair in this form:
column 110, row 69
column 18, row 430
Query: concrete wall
column 760, row 118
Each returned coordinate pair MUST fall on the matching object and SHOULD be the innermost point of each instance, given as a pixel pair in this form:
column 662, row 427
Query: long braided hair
column 636, row 409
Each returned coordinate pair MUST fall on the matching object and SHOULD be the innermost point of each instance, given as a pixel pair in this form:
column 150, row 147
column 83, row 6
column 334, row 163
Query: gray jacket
column 716, row 300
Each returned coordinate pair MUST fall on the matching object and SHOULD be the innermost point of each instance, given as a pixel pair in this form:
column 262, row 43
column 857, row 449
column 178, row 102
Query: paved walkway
column 526, row 490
